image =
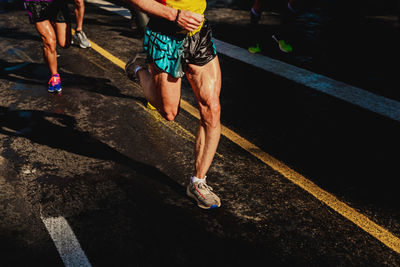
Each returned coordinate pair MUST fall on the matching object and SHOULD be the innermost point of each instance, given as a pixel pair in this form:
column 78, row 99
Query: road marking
column 354, row 95
column 175, row 127
column 106, row 54
column 330, row 200
column 66, row 243
column 19, row 66
column 111, row 7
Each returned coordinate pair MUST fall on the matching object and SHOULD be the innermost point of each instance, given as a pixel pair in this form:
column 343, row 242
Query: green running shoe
column 283, row 46
column 255, row 49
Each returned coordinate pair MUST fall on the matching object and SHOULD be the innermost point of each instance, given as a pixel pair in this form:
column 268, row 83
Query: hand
column 189, row 21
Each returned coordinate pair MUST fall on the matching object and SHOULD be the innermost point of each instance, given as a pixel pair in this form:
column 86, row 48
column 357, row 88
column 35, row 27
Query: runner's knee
column 169, row 113
column 64, row 44
column 50, row 43
column 79, row 3
column 210, row 113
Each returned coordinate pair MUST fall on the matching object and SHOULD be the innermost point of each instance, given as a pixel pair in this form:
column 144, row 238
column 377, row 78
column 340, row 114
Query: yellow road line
column 106, row 54
column 175, row 127
column 330, row 200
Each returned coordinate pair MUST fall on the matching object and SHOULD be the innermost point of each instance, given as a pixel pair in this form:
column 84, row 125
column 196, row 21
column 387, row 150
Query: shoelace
column 203, row 185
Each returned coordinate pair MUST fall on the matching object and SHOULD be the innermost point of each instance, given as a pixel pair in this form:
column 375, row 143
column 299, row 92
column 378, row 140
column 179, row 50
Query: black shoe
column 139, row 60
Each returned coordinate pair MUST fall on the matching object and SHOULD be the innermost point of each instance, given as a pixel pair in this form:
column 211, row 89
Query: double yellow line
column 330, row 200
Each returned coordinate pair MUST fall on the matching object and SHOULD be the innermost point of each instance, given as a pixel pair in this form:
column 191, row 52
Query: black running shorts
column 56, row 11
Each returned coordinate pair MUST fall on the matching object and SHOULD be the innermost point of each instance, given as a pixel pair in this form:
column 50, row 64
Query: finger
column 193, row 26
column 190, row 28
column 197, row 17
column 195, row 22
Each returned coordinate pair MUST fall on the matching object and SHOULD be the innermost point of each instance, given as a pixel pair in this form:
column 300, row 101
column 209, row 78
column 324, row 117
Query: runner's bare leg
column 49, row 38
column 206, row 83
column 79, row 10
column 162, row 90
column 63, row 31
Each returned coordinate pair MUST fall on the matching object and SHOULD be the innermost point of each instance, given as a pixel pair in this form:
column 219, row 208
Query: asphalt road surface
column 92, row 177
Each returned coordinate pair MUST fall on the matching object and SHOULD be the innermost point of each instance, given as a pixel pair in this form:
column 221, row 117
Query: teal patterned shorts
column 172, row 53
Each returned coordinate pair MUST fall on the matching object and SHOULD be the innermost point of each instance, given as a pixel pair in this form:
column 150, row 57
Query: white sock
column 137, row 69
column 194, row 179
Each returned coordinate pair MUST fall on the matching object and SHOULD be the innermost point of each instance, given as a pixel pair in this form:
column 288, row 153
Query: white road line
column 111, row 7
column 16, row 66
column 351, row 94
column 66, row 243
column 378, row 104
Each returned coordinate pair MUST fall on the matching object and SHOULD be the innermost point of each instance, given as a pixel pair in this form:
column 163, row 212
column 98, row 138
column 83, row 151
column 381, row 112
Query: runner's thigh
column 205, row 81
column 63, row 34
column 46, row 31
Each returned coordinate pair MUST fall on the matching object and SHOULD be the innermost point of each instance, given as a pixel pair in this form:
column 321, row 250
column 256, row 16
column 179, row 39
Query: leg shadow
column 36, row 126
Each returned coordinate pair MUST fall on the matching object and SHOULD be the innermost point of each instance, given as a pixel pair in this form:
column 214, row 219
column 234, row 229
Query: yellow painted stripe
column 174, row 126
column 106, row 54
column 330, row 200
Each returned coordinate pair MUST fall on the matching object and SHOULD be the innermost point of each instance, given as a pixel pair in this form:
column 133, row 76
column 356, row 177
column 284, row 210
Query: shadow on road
column 28, row 73
column 62, row 134
column 161, row 231
column 13, row 33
